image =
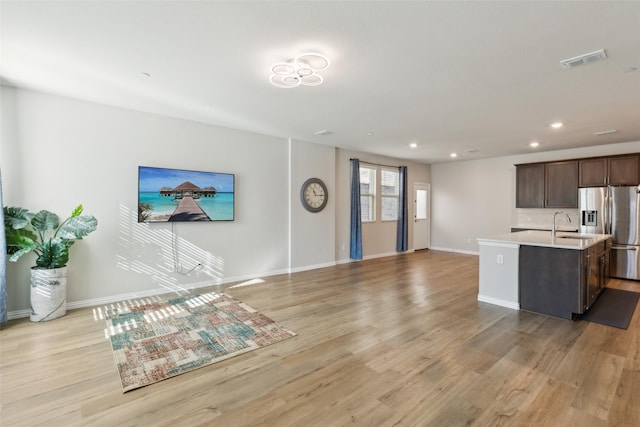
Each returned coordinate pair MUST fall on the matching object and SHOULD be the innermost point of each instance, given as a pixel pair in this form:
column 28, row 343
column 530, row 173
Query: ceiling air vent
column 587, row 58
column 605, row 132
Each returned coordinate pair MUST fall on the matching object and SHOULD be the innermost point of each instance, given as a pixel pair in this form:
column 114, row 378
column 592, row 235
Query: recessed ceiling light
column 370, row 133
column 534, row 144
column 323, row 132
column 453, row 155
column 413, row 145
column 556, row 125
column 146, row 74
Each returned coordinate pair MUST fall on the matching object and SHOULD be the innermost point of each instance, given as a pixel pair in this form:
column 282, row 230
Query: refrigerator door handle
column 607, row 211
column 625, row 248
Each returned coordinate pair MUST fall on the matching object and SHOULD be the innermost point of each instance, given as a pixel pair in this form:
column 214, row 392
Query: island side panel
column 498, row 282
column 549, row 280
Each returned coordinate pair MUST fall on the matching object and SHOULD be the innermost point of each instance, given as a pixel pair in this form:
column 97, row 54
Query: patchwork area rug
column 156, row 340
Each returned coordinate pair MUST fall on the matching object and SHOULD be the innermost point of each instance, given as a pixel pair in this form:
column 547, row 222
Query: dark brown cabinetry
column 596, row 265
column 530, row 186
column 615, row 170
column 561, row 184
column 547, row 185
column 562, row 282
column 551, row 281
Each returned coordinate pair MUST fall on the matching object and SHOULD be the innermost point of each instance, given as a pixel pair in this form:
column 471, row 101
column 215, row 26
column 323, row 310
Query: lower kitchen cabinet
column 562, row 282
column 550, row 280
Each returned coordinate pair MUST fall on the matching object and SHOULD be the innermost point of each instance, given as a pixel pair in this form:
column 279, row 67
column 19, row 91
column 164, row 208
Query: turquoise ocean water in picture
column 154, row 182
column 218, row 208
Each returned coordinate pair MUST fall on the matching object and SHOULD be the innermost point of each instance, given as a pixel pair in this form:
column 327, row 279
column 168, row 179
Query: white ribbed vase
column 48, row 294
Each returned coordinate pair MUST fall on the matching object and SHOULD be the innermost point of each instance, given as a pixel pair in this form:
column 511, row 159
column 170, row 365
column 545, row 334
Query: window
column 389, row 194
column 367, row 194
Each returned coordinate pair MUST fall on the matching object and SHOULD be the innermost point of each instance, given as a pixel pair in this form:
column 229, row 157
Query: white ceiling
column 451, row 76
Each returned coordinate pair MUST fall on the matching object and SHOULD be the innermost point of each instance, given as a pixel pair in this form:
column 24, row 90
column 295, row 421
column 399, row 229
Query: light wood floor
column 392, row 341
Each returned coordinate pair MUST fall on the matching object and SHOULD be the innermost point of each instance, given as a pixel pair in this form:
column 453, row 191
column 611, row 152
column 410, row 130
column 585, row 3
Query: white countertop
column 543, row 238
column 546, row 227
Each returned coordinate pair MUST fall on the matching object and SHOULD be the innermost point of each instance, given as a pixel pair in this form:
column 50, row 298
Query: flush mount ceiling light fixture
column 301, row 70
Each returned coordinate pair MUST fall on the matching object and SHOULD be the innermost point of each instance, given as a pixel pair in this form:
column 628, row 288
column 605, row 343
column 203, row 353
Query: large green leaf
column 17, row 254
column 55, row 253
column 78, row 227
column 45, row 221
column 16, row 218
column 18, row 240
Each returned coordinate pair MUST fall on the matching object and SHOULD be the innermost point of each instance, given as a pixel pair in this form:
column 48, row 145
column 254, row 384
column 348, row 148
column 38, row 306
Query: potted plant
column 50, row 239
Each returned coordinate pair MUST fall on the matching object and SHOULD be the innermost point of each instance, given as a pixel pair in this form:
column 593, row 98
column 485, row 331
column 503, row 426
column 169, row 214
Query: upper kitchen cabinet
column 547, row 185
column 615, row 170
column 530, row 186
column 561, row 185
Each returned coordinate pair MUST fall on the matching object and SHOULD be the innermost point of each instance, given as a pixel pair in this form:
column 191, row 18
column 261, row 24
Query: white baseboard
column 382, row 255
column 313, row 267
column 349, row 260
column 458, row 251
column 18, row 314
column 500, row 302
column 180, row 289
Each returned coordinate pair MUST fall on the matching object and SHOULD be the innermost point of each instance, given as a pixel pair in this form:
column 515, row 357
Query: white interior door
column 421, row 216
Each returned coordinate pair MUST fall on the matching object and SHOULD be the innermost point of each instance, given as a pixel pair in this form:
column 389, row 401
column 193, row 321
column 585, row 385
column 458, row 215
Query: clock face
column 313, row 195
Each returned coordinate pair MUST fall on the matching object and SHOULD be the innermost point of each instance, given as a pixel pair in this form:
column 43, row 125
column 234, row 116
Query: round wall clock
column 314, row 195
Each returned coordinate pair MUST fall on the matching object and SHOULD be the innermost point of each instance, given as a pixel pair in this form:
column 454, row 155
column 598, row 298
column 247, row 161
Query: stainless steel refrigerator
column 615, row 211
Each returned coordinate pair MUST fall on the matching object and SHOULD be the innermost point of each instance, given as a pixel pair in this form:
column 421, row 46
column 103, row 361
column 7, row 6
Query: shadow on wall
column 160, row 254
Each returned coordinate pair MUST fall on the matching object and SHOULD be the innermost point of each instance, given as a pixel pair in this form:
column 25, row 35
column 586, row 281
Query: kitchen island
column 532, row 270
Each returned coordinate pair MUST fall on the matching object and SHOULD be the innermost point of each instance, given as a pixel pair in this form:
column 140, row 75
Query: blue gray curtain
column 355, row 245
column 403, row 213
column 3, row 264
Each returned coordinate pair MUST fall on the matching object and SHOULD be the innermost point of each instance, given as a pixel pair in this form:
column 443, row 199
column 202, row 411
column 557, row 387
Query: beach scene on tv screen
column 184, row 195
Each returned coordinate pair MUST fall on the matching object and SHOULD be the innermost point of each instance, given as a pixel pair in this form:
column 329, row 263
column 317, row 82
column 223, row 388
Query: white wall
column 57, row 152
column 313, row 234
column 476, row 198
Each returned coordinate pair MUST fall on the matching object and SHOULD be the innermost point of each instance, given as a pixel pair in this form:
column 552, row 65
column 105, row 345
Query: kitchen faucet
column 553, row 230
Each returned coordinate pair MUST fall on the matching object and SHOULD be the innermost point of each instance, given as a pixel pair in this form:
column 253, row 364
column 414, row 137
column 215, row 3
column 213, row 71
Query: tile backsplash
column 543, row 218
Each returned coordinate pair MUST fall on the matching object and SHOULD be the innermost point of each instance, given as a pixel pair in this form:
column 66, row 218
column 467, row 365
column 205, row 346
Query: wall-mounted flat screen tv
column 166, row 195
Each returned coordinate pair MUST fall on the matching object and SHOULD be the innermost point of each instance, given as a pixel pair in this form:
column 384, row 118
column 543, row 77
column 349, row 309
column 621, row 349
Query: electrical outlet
column 500, row 259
